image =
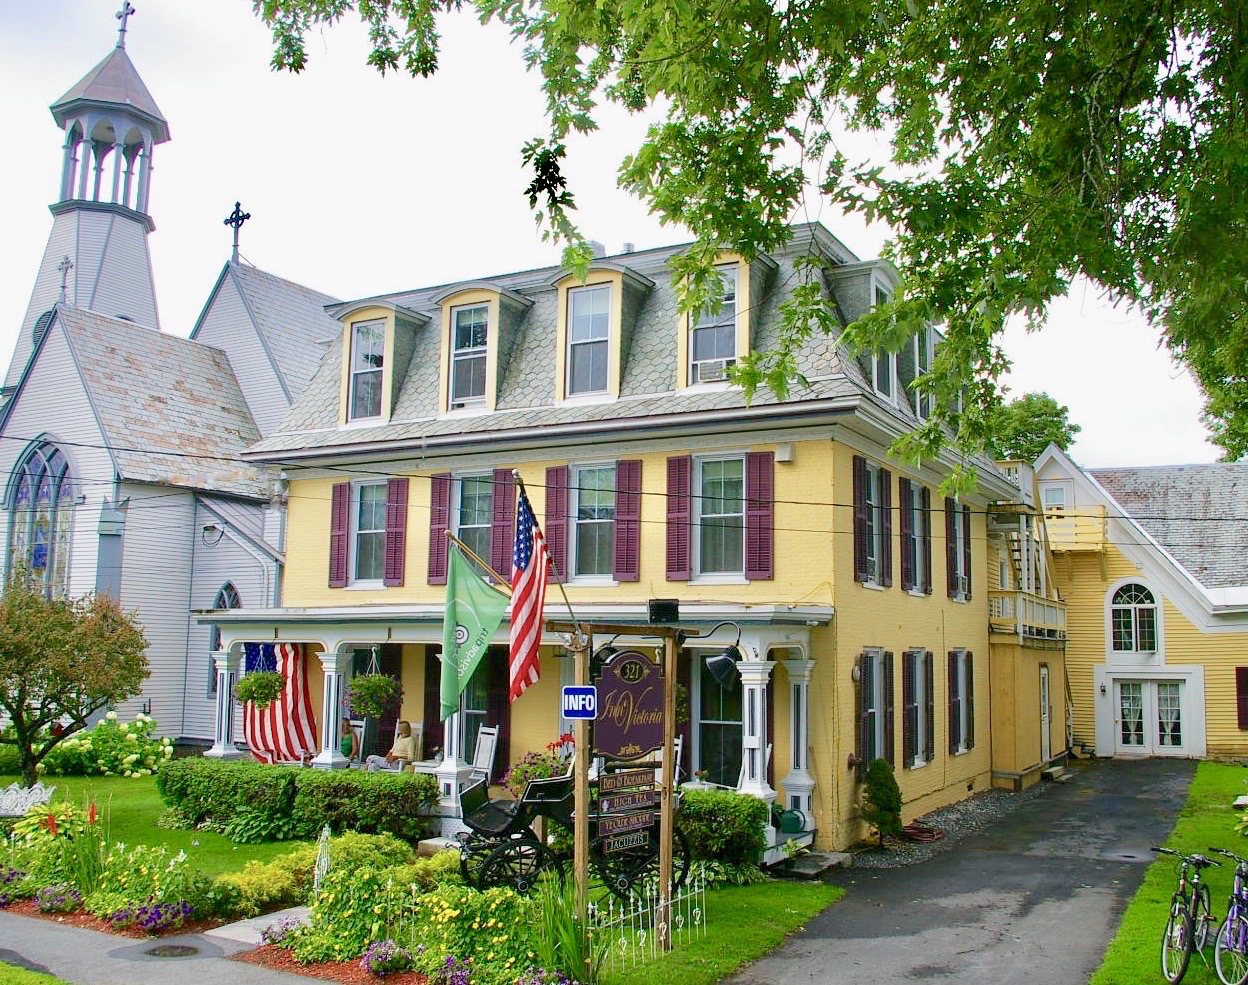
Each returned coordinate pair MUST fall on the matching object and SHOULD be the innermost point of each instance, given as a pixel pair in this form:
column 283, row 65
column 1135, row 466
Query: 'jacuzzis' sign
column 630, row 708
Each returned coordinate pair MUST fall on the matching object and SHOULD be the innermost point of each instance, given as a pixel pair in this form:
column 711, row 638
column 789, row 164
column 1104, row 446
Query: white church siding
column 123, row 266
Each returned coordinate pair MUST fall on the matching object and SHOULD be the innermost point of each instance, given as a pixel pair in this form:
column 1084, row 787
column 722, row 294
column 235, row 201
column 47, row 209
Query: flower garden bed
column 348, row 972
column 79, row 918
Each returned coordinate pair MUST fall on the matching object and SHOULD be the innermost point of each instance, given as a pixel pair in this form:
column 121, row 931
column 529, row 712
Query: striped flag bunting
column 284, row 730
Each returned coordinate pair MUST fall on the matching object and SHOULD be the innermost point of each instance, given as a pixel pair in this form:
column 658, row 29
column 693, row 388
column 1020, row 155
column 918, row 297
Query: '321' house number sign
column 630, row 707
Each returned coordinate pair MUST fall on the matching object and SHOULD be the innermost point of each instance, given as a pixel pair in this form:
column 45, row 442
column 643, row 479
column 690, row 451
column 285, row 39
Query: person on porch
column 348, row 741
column 404, row 748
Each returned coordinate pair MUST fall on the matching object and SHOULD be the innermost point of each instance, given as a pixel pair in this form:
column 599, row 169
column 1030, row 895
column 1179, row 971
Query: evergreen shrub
column 723, row 826
column 881, row 799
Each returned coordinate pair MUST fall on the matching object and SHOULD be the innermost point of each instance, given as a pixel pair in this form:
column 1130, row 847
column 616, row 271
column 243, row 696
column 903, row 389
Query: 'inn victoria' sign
column 630, row 707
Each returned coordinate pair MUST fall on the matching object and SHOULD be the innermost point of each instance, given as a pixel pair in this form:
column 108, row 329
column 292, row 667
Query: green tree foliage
column 881, row 799
column 1023, row 142
column 1023, row 428
column 61, row 660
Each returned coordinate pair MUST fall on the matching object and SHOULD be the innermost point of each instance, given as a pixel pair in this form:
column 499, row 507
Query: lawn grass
column 13, row 975
column 742, row 924
column 133, row 805
column 1207, row 819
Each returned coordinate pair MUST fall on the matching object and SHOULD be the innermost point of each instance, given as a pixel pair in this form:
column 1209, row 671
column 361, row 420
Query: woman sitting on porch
column 348, row 741
column 404, row 749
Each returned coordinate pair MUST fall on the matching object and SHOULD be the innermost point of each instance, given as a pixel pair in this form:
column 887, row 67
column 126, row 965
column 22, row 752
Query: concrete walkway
column 1035, row 898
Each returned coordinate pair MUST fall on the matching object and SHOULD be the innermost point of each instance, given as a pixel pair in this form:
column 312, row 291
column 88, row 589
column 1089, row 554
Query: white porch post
column 227, row 664
column 755, row 675
column 799, row 785
column 334, row 665
column 452, row 770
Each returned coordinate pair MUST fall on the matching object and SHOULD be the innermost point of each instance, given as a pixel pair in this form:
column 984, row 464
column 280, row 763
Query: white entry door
column 1046, row 744
column 1148, row 718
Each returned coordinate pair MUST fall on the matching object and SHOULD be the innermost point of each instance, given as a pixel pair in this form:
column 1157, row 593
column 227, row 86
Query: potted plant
column 374, row 695
column 260, row 687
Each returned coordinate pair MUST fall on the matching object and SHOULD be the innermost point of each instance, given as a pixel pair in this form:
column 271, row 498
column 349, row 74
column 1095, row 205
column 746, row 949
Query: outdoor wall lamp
column 723, row 666
column 1102, row 689
column 211, row 534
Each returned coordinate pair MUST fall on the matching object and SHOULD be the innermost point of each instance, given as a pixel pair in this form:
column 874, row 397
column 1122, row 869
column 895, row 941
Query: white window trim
column 605, row 341
column 457, row 490
column 924, row 351
column 696, row 656
column 574, row 469
column 476, row 403
column 353, row 373
column 889, row 360
column 734, row 269
column 875, row 525
column 1064, row 486
column 961, row 539
column 876, row 656
column 922, row 755
column 964, row 716
column 1150, row 657
column 695, row 527
column 361, row 584
column 922, row 546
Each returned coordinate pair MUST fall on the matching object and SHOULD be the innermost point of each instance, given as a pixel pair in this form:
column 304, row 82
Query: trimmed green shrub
column 427, row 873
column 259, row 888
column 724, row 826
column 204, row 788
column 881, row 799
column 350, row 800
column 9, row 762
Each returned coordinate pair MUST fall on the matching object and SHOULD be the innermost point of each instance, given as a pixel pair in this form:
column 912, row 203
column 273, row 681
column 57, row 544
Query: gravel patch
column 955, row 822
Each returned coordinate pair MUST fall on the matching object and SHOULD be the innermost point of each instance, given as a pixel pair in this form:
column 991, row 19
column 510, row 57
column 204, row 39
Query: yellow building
column 861, row 595
column 1151, row 564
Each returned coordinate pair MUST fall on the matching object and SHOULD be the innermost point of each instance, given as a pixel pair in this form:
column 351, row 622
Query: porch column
column 452, row 770
column 227, row 664
column 755, row 675
column 334, row 664
column 799, row 785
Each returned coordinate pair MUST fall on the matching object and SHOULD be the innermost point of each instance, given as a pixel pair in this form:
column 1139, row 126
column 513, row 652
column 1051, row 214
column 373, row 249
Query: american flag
column 529, row 563
column 284, row 730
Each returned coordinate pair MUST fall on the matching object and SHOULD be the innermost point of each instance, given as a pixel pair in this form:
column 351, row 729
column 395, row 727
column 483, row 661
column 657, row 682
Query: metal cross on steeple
column 65, row 266
column 236, row 219
column 123, row 15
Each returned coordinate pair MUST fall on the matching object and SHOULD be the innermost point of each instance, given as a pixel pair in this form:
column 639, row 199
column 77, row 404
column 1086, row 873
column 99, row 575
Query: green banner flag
column 474, row 611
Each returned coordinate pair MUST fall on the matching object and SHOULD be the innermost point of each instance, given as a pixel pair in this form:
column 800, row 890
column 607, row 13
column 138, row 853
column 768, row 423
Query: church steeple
column 101, row 219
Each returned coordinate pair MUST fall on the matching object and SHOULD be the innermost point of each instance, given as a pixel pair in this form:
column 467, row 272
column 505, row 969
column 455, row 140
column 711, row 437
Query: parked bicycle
column 1190, row 921
column 1230, row 950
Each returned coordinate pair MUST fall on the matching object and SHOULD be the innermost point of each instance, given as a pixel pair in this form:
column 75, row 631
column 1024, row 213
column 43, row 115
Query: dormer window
column 368, row 347
column 923, row 351
column 470, row 333
column 589, row 322
column 713, row 336
column 884, row 374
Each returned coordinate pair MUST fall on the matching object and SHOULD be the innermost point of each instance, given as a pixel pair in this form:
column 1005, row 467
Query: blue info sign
column 580, row 701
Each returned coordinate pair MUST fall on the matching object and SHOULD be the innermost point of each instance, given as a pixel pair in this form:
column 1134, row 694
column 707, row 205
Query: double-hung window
column 719, row 725
column 368, row 348
column 918, row 697
column 922, row 365
column 873, row 559
column 720, row 505
column 592, row 511
column 884, row 364
column 1133, row 620
column 470, row 326
column 713, row 335
column 875, row 707
column 916, row 536
column 961, row 701
column 368, row 531
column 472, row 513
column 958, row 550
column 589, row 322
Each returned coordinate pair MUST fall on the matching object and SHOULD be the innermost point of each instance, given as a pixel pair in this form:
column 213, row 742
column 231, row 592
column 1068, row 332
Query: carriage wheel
column 632, row 871
column 518, row 863
column 473, row 854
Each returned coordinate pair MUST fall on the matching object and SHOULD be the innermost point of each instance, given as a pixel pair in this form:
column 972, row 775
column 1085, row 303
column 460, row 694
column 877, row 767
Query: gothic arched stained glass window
column 41, row 509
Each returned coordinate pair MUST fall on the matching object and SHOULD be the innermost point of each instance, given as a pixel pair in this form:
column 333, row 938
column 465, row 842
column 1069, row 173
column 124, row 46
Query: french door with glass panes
column 1148, row 718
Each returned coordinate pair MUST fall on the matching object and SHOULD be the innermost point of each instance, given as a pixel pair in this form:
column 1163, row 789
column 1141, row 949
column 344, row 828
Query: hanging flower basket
column 261, row 687
column 374, row 696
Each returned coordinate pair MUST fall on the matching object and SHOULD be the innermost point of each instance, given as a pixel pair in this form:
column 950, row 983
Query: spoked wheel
column 1176, row 950
column 1204, row 920
column 632, row 871
column 473, row 852
column 1230, row 952
column 518, row 863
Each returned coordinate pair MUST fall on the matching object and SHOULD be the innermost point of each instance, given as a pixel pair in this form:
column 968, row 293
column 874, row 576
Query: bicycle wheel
column 1230, row 952
column 1176, row 950
column 1204, row 918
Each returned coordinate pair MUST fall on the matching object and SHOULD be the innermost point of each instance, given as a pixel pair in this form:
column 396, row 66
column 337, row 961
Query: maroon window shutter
column 860, row 518
column 503, row 518
column 497, row 707
column 886, row 521
column 759, row 514
column 628, row 522
column 433, row 733
column 679, row 479
column 557, row 522
column 929, row 704
column 439, row 521
column 890, row 750
column 866, row 725
column 955, row 727
column 396, row 532
column 908, row 575
column 951, row 547
column 339, row 531
column 926, row 574
column 909, row 711
column 970, row 700
column 966, row 548
column 1241, row 695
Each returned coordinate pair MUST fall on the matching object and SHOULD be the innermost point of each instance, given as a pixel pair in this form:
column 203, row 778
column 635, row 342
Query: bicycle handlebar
column 1222, row 851
column 1200, row 861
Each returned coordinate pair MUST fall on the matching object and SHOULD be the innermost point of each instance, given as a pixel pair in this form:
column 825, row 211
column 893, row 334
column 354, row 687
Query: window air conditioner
column 711, row 370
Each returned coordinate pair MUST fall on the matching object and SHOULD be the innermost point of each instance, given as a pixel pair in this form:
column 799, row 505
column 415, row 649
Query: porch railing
column 1026, row 616
column 1082, row 529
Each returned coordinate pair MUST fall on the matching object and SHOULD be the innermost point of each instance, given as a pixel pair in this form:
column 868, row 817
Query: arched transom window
column 41, row 510
column 1133, row 620
column 227, row 598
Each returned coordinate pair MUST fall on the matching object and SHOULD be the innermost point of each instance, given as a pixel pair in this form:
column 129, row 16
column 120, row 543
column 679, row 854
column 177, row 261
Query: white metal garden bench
column 16, row 800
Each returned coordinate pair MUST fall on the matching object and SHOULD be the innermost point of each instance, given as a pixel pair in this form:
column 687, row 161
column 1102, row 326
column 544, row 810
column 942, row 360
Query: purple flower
column 278, row 932
column 59, row 898
column 386, row 958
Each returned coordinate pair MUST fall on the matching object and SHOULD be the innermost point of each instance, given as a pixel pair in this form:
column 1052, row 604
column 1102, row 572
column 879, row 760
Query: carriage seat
column 485, row 816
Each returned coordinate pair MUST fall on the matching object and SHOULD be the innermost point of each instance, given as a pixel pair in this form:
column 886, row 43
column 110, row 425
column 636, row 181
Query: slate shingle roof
column 171, row 409
column 1199, row 513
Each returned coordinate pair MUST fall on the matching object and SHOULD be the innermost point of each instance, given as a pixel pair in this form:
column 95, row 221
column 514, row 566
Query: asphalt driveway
column 1037, row 897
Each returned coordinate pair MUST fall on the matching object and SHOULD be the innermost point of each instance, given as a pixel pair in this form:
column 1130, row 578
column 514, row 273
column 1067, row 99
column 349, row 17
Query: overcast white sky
column 359, row 184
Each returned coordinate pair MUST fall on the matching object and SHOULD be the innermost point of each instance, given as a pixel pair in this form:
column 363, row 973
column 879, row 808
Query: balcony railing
column 1022, row 475
column 1081, row 529
column 1027, row 616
